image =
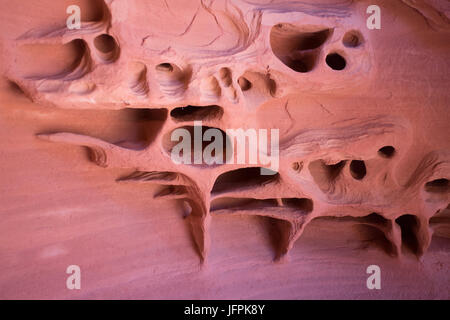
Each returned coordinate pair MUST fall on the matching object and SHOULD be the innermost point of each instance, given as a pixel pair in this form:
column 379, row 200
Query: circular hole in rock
column 105, row 43
column 244, row 84
column 387, row 152
column 335, row 61
column 358, row 169
column 352, row 39
column 107, row 47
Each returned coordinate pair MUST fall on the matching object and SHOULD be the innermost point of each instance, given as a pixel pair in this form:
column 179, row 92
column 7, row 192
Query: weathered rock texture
column 363, row 114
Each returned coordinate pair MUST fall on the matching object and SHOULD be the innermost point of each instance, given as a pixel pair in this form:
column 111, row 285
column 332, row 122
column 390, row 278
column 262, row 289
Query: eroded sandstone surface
column 362, row 114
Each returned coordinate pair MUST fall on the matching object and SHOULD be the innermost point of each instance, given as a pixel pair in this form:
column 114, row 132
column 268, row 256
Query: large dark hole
column 358, row 169
column 242, row 178
column 409, row 226
column 192, row 113
column 303, row 64
column 387, row 152
column 107, row 47
column 105, row 43
column 335, row 61
column 438, row 185
column 373, row 218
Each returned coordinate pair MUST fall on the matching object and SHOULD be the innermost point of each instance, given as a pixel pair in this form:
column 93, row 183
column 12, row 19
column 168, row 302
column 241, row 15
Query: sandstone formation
column 363, row 120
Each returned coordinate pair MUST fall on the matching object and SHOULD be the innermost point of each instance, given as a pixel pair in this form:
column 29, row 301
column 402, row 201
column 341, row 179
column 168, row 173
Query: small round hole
column 167, row 67
column 244, row 84
column 107, row 48
column 335, row 61
column 352, row 39
column 358, row 169
column 387, row 152
column 105, row 43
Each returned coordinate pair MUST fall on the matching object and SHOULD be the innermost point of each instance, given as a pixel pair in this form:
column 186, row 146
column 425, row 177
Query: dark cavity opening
column 438, row 186
column 146, row 124
column 409, row 226
column 105, row 43
column 242, row 178
column 335, row 61
column 107, row 46
column 295, row 47
column 302, row 204
column 358, row 169
column 387, row 152
column 192, row 113
column 244, row 84
column 166, row 67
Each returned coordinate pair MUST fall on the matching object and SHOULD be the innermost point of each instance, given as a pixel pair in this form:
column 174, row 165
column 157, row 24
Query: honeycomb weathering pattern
column 364, row 136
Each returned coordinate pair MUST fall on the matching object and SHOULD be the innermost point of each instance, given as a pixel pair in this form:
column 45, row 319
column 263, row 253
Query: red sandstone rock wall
column 364, row 149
